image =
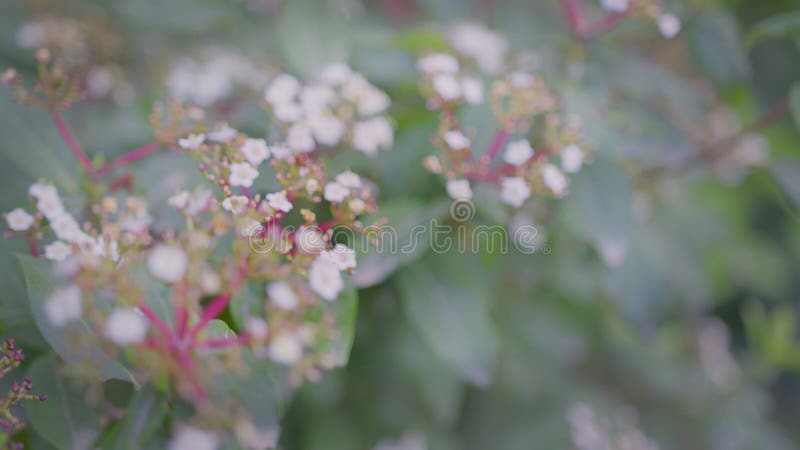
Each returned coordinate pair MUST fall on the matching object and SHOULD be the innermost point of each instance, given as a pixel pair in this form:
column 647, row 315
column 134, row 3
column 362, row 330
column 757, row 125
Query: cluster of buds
column 339, row 107
column 10, row 358
column 537, row 141
column 56, row 87
column 669, row 25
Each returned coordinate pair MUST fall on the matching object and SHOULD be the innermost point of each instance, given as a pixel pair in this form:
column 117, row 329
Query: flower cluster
column 339, row 107
column 11, row 357
column 669, row 25
column 538, row 143
column 273, row 254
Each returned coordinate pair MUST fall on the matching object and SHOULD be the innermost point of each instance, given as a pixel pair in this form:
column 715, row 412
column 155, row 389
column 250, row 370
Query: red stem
column 72, row 144
column 32, row 246
column 155, row 320
column 237, row 341
column 496, row 145
column 130, row 157
column 604, row 25
column 575, row 14
column 214, row 309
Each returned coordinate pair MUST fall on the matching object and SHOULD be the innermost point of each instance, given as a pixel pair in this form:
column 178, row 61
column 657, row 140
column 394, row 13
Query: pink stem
column 604, row 25
column 155, row 320
column 214, row 309
column 32, row 246
column 188, row 370
column 497, row 144
column 130, row 157
column 237, row 341
column 575, row 14
column 181, row 320
column 72, row 144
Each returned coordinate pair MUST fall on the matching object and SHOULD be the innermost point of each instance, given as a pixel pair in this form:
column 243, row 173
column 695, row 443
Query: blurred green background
column 663, row 309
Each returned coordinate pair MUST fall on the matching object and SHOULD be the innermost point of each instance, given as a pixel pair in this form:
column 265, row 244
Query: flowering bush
column 375, row 226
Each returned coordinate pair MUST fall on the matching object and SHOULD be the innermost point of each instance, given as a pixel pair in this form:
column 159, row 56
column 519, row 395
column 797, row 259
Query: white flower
column 280, row 152
column 222, row 132
column 288, row 111
column 518, row 152
column 474, row 40
column 210, row 281
column 199, row 201
column 65, row 227
column 281, row 295
column 316, row 99
column 57, row 251
column 299, row 137
column 40, row 189
column 256, row 327
column 286, row 348
column 327, row 129
column 372, row 101
column 335, row 192
column 236, row 204
column 514, row 191
column 357, row 205
column 617, row 6
column 282, row 89
column 373, row 134
column 473, row 90
column 342, row 256
column 447, row 87
column 521, row 79
column 438, row 63
column 63, row 305
column 255, row 151
column 192, row 141
column 456, row 140
column 349, row 179
column 167, row 263
column 312, row 185
column 324, row 278
column 279, row 202
column 242, row 174
column 459, row 189
column 126, row 326
column 50, row 206
column 19, row 220
column 191, row 438
column 554, row 180
column 669, row 25
column 180, row 200
column 335, row 73
column 572, row 158
column 309, row 240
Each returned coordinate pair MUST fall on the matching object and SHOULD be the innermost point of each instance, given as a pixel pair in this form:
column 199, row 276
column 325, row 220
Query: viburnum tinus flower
column 535, row 142
column 132, row 283
column 337, row 107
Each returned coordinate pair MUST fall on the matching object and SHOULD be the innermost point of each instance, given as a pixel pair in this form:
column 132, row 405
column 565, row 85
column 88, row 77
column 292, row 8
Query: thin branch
column 130, row 157
column 214, row 309
column 155, row 320
column 79, row 154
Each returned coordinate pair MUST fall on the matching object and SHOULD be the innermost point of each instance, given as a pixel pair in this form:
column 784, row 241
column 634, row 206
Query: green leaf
column 787, row 172
column 781, row 26
column 246, row 302
column 65, row 419
column 345, row 309
column 422, row 40
column 311, row 35
column 718, row 47
column 142, row 418
column 446, row 298
column 599, row 208
column 40, row 283
column 794, row 103
column 406, row 238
